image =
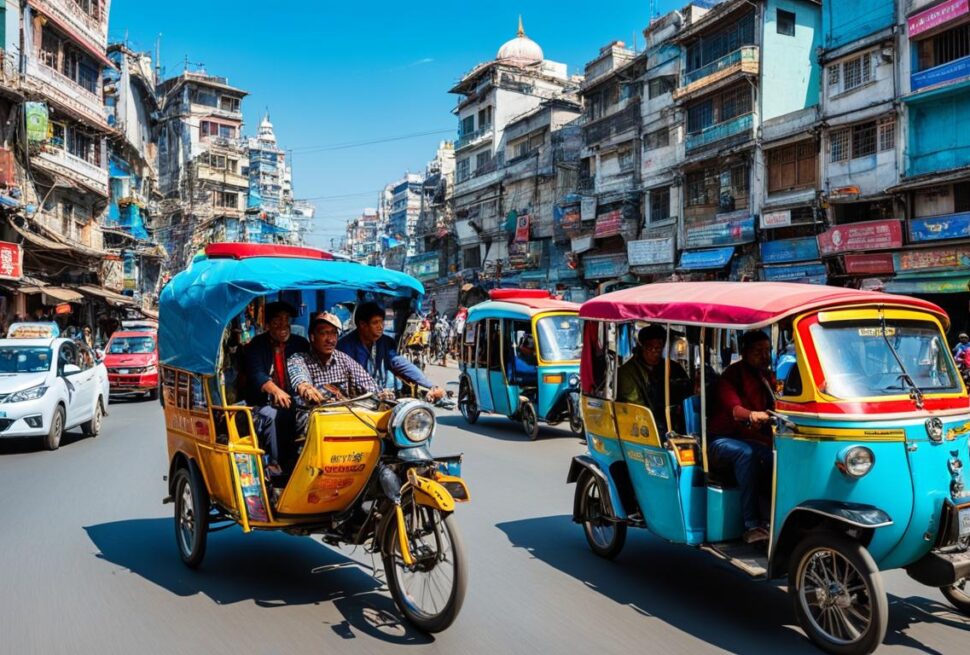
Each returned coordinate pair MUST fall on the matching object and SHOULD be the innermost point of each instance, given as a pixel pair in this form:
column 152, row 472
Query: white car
column 48, row 386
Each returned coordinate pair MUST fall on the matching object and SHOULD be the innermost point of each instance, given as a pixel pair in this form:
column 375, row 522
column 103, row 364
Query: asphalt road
column 88, row 564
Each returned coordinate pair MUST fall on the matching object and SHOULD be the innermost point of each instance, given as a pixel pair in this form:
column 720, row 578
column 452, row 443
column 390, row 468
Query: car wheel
column 153, row 394
column 93, row 427
column 53, row 439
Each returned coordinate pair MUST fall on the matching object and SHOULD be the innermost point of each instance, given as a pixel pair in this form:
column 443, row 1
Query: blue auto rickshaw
column 520, row 358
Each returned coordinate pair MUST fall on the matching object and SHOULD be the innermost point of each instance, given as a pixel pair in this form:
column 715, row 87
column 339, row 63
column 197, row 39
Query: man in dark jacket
column 640, row 380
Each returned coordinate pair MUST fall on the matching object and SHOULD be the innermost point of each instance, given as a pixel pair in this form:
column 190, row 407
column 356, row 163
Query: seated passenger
column 740, row 427
column 524, row 365
column 640, row 380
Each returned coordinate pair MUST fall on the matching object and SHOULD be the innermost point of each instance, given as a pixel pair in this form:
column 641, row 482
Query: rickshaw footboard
column 940, row 569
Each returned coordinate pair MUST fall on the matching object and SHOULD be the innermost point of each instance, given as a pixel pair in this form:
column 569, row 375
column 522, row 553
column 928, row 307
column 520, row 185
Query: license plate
column 123, row 371
column 965, row 521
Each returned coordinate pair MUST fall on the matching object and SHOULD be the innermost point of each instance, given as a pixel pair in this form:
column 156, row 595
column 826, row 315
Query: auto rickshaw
column 520, row 358
column 365, row 474
column 869, row 440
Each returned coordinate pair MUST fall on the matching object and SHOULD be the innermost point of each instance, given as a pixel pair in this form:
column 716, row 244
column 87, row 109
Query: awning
column 92, row 48
column 38, row 240
column 933, row 93
column 110, row 296
column 944, row 282
column 61, row 295
column 702, row 260
column 932, row 179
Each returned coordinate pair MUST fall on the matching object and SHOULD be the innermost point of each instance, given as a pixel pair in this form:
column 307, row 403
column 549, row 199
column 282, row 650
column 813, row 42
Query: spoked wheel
column 838, row 594
column 191, row 516
column 530, row 421
column 429, row 592
column 959, row 595
column 605, row 537
column 467, row 403
column 575, row 420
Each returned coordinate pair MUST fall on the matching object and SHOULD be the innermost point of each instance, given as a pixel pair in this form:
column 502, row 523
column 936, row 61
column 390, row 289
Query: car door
column 80, row 385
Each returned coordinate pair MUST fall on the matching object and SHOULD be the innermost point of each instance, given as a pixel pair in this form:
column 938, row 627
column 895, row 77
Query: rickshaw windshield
column 560, row 338
column 857, row 361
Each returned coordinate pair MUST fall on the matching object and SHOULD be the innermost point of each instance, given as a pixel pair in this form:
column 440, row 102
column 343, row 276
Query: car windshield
column 559, row 338
column 24, row 359
column 857, row 361
column 131, row 346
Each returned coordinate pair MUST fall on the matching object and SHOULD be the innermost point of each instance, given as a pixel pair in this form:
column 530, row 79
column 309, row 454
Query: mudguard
column 854, row 514
column 585, row 463
column 430, row 493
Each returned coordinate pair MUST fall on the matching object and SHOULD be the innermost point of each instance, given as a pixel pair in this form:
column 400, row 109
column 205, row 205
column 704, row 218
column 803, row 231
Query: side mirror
column 71, row 369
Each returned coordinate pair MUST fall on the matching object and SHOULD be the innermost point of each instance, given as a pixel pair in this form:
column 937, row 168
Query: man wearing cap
column 640, row 380
column 963, row 341
column 377, row 353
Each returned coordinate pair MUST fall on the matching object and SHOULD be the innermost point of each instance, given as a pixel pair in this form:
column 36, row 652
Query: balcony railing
column 473, row 137
column 714, row 133
column 74, row 168
column 742, row 60
column 91, row 27
column 64, row 91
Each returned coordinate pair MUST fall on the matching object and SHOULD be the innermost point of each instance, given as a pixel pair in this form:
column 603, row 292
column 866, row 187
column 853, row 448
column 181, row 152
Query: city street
column 90, row 565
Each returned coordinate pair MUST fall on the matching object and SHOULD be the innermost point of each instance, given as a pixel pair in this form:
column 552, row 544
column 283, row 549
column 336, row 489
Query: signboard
column 570, row 218
column 868, row 235
column 811, row 272
column 699, row 260
column 581, row 244
column 41, row 330
column 522, row 228
column 724, row 230
column 936, row 228
column 776, row 219
column 650, row 251
column 36, row 116
column 600, row 266
column 941, row 284
column 11, row 261
column 608, row 224
column 424, row 267
column 789, row 250
column 936, row 16
column 876, row 264
column 928, row 260
column 943, row 74
column 588, row 208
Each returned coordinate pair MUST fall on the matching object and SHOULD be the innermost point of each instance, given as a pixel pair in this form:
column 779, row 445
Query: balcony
column 65, row 92
column 742, row 61
column 225, row 142
column 473, row 138
column 740, row 129
column 617, row 123
column 209, row 110
column 60, row 162
column 87, row 26
column 222, row 176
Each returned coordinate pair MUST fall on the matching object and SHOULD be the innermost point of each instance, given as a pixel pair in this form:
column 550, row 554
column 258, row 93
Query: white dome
column 266, row 132
column 520, row 51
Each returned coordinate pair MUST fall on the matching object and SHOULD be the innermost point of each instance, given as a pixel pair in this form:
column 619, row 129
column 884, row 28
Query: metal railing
column 471, row 137
column 748, row 53
column 719, row 131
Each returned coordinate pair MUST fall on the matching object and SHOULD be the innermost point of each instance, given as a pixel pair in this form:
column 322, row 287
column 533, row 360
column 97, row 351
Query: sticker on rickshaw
column 656, row 466
column 956, row 431
column 252, row 488
column 876, row 331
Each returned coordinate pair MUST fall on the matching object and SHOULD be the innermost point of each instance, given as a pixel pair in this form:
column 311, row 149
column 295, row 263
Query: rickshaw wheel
column 605, row 537
column 530, row 421
column 838, row 594
column 191, row 516
column 957, row 596
column 467, row 403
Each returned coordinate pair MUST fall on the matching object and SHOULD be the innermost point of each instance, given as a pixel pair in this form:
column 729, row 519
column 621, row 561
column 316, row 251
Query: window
column 471, row 257
column 735, row 103
column 658, row 86
column 887, row 134
column 719, row 109
column 863, row 140
column 227, row 131
column 700, row 116
column 855, row 73
column 58, row 132
column 834, row 76
column 536, row 141
column 659, row 204
column 943, row 48
column 50, row 49
column 83, row 146
column 714, row 46
column 232, row 165
column 79, row 68
column 204, row 97
column 462, row 169
column 485, row 118
column 698, row 189
column 839, row 145
column 482, row 159
column 467, row 125
column 226, row 199
column 625, row 158
column 785, row 22
column 229, row 103
column 657, row 139
column 792, row 167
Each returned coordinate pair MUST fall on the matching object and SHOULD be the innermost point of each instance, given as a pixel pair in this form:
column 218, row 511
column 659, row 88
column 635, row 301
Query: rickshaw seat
column 692, row 415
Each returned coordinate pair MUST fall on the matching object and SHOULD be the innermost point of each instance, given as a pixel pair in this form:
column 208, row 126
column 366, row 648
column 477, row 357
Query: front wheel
column 838, row 594
column 467, row 403
column 530, row 421
column 53, row 439
column 575, row 419
column 430, row 592
column 604, row 536
column 191, row 516
column 92, row 428
column 958, row 595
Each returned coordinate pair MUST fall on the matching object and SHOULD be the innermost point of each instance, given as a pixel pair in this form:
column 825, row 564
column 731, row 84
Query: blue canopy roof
column 198, row 303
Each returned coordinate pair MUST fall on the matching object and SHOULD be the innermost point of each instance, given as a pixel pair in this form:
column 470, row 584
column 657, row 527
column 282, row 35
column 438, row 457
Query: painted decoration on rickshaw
column 251, row 485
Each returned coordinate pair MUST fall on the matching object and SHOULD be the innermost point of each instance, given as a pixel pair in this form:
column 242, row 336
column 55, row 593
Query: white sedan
column 48, row 386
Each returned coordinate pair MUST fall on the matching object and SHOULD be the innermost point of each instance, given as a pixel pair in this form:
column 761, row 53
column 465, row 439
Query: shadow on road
column 269, row 568
column 501, row 428
column 21, row 445
column 904, row 612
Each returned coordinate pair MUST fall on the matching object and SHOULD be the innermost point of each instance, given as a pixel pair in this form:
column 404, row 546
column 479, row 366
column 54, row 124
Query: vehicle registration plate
column 123, row 371
column 965, row 521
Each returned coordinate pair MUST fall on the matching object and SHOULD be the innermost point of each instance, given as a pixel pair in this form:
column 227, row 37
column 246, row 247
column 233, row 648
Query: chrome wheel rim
column 57, row 428
column 186, row 519
column 601, row 531
column 426, row 587
column 834, row 596
column 96, row 424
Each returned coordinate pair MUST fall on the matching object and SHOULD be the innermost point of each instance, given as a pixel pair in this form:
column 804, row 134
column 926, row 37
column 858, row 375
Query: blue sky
column 349, row 72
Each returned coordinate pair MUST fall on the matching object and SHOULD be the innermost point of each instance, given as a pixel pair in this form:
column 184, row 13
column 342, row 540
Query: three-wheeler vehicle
column 520, row 358
column 869, row 440
column 365, row 475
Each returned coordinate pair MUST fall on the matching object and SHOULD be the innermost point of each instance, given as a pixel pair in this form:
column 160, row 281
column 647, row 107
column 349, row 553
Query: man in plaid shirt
column 325, row 373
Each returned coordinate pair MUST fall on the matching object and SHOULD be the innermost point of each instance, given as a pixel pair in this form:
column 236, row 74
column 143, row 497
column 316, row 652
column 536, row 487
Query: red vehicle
column 132, row 361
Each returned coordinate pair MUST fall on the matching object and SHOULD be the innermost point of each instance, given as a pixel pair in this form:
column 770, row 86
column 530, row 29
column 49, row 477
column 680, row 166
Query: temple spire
column 521, row 31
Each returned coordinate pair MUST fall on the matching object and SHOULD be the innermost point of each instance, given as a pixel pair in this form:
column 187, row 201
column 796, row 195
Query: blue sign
column 949, row 72
column 789, row 250
column 936, row 228
column 726, row 229
column 699, row 260
column 812, row 272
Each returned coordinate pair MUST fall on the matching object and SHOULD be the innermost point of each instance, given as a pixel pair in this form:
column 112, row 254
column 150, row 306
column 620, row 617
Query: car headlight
column 418, row 424
column 574, row 380
column 934, row 429
column 855, row 461
column 27, row 394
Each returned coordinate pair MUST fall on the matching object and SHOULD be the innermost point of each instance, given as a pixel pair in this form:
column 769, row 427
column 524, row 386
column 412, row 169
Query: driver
column 325, row 373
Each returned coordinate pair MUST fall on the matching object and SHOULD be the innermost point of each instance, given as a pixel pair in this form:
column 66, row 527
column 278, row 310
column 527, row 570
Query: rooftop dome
column 520, row 51
column 266, row 130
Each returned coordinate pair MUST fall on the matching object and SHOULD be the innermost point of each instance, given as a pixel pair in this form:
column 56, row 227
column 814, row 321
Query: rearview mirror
column 71, row 369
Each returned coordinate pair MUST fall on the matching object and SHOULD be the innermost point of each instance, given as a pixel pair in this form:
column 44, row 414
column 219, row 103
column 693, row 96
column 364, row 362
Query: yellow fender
column 431, row 494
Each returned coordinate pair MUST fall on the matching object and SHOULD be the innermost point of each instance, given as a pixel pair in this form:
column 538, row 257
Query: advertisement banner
column 868, row 235
column 600, row 266
column 646, row 252
column 581, row 244
column 789, row 250
column 937, row 228
column 935, row 16
column 11, row 261
column 36, row 116
column 724, row 230
column 588, row 208
column 570, row 218
column 699, row 260
column 522, row 228
column 943, row 74
column 424, row 266
column 810, row 272
column 775, row 219
column 928, row 260
column 878, row 264
column 608, row 224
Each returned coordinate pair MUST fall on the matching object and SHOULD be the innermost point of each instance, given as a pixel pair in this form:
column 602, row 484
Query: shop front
column 941, row 275
column 651, row 259
column 858, row 254
column 792, row 260
column 709, row 246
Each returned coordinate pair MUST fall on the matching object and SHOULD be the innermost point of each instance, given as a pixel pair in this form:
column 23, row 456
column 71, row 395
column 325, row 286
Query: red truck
column 132, row 360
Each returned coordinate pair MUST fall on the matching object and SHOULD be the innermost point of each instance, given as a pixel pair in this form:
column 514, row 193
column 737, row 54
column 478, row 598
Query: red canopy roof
column 734, row 304
column 235, row 250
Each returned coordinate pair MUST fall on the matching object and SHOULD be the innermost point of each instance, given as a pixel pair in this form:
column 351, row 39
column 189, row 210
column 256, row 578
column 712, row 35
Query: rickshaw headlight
column 934, row 429
column 574, row 380
column 856, row 461
column 418, row 424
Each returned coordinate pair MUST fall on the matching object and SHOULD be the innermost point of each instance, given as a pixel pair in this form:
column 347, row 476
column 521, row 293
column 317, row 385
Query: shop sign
column 868, row 235
column 927, row 260
column 943, row 74
column 522, row 228
column 811, row 272
column 955, row 284
column 936, row 228
column 112, row 273
column 608, row 224
column 878, row 264
column 844, row 192
column 570, row 218
column 37, row 119
column 646, row 252
column 581, row 244
column 11, row 261
column 588, row 208
column 725, row 230
column 62, row 309
column 776, row 219
column 424, row 267
column 789, row 250
column 700, row 260
column 600, row 266
column 936, row 16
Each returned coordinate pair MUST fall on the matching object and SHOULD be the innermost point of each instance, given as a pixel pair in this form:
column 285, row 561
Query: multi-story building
column 437, row 249
column 270, row 189
column 400, row 207
column 361, row 241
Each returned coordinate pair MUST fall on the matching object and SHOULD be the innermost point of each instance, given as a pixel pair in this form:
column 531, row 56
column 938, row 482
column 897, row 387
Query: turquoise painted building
column 847, row 21
column 791, row 37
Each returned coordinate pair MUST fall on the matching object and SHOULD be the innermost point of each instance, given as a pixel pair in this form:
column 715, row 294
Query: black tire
column 53, row 439
column 530, row 420
column 435, row 620
column 191, row 515
column 467, row 404
column 575, row 420
column 153, row 394
column 604, row 536
column 838, row 594
column 958, row 595
column 92, row 428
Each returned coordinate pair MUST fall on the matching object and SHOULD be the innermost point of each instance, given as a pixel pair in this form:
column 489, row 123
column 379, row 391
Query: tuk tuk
column 868, row 438
column 365, row 475
column 520, row 358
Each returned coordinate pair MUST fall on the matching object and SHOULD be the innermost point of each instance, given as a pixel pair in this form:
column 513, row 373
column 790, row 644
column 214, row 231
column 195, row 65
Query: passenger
column 640, row 380
column 377, row 354
column 268, row 385
column 525, row 369
column 741, row 427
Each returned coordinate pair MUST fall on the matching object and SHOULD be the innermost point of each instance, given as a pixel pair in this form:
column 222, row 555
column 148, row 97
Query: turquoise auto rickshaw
column 520, row 358
column 868, row 434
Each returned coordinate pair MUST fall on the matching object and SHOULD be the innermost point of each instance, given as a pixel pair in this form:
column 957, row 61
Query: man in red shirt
column 740, row 428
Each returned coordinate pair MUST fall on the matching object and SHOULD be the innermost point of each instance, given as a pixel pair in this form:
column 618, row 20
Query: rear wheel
column 191, row 516
column 530, row 421
column 958, row 595
column 605, row 536
column 467, row 403
column 53, row 439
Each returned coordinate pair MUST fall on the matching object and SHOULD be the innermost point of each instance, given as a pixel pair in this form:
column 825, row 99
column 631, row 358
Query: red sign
column 936, row 16
column 869, row 235
column 608, row 224
column 869, row 264
column 11, row 261
column 522, row 228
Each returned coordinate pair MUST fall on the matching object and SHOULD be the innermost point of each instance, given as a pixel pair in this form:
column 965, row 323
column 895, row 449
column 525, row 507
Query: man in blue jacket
column 377, row 352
